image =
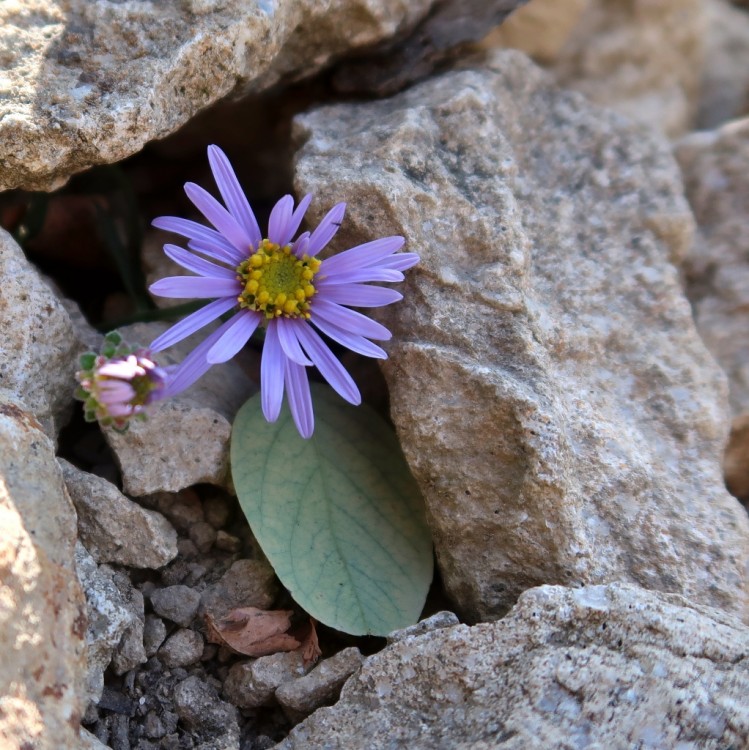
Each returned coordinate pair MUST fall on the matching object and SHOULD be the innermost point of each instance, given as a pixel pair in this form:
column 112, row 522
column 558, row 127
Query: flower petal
column 126, row 369
column 119, row 410
column 301, row 245
column 298, row 215
column 280, row 220
column 349, row 320
column 371, row 273
column 399, row 261
column 229, row 227
column 287, row 337
column 242, row 326
column 194, row 231
column 272, row 374
column 193, row 322
column 194, row 365
column 360, row 295
column 330, row 368
column 233, row 195
column 115, row 391
column 300, row 399
column 186, row 287
column 198, row 265
column 326, row 229
column 361, row 256
column 351, row 341
column 234, row 257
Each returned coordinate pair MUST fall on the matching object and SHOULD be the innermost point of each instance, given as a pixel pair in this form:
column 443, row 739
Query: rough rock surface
column 252, row 683
column 724, row 93
column 153, row 456
column 115, row 529
column 199, row 707
column 109, row 614
column 42, row 609
column 715, row 166
column 602, row 666
column 39, row 348
column 580, row 439
column 91, row 81
column 641, row 58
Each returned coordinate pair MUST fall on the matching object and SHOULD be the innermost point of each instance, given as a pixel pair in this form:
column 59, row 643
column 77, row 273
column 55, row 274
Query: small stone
column 217, row 511
column 228, row 542
column 203, row 535
column 154, row 633
column 322, row 685
column 89, row 741
column 437, row 621
column 115, row 529
column 177, row 603
column 153, row 726
column 198, row 705
column 183, row 648
column 187, row 548
column 250, row 684
column 129, row 652
column 248, row 583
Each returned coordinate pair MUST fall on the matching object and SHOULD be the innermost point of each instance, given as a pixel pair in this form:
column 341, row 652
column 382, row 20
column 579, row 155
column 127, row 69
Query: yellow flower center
column 276, row 282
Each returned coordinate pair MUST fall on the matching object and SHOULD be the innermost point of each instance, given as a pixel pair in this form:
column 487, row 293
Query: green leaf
column 339, row 516
column 87, row 361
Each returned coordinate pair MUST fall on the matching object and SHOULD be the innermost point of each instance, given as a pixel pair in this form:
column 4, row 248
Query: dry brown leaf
column 310, row 646
column 253, row 632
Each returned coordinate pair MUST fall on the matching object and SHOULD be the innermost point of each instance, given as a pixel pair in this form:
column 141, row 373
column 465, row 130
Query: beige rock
column 39, row 347
column 602, row 666
column 42, row 610
column 89, row 81
column 252, row 683
column 552, row 396
column 113, row 528
column 185, row 440
column 724, row 92
column 715, row 166
column 641, row 58
column 540, row 29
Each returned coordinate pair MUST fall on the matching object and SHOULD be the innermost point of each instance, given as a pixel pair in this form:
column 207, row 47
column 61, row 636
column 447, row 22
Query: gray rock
column 183, row 509
column 115, row 529
column 217, row 511
column 601, row 666
column 39, row 348
column 199, row 707
column 581, row 439
column 203, row 535
column 42, row 608
column 247, row 583
column 185, row 440
column 154, row 633
column 91, row 82
column 250, row 684
column 182, row 648
column 110, row 614
column 177, row 603
column 302, row 696
column 130, row 651
column 435, row 622
column 88, row 741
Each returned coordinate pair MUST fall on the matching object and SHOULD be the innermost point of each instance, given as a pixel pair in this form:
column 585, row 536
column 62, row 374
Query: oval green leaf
column 339, row 516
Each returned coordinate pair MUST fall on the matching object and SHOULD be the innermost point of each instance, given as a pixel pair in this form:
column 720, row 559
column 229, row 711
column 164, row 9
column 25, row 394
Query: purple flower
column 276, row 281
column 120, row 383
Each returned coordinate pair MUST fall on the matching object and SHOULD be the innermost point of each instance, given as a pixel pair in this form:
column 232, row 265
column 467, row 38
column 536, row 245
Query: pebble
column 183, row 648
column 177, row 603
column 252, row 683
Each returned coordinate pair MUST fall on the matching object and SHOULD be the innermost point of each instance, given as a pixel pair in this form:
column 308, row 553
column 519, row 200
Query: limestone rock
column 252, row 683
column 552, row 396
column 641, row 58
column 199, row 707
column 247, row 583
column 42, row 609
column 183, row 648
column 602, row 666
column 185, row 440
column 177, row 603
column 39, row 348
column 115, row 529
column 90, row 81
column 715, row 166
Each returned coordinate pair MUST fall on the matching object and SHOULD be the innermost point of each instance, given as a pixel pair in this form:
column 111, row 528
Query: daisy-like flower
column 278, row 282
column 120, row 383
